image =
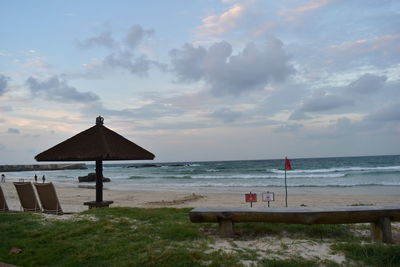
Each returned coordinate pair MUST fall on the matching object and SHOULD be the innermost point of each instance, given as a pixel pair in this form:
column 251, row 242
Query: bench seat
column 379, row 216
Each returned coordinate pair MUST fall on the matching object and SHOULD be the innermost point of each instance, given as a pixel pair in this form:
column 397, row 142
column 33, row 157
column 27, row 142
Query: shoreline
column 72, row 197
column 312, row 190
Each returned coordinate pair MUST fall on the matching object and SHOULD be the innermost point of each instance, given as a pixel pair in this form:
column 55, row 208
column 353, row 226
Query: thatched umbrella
column 97, row 143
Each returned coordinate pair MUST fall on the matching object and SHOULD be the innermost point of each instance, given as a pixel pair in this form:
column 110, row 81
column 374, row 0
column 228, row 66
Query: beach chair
column 27, row 196
column 48, row 198
column 3, row 203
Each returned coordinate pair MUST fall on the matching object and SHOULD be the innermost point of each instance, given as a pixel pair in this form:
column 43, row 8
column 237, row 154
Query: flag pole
column 285, row 185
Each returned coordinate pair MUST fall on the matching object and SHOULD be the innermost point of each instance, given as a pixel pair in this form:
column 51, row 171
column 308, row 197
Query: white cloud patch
column 58, row 90
column 294, row 14
column 226, row 73
column 220, row 23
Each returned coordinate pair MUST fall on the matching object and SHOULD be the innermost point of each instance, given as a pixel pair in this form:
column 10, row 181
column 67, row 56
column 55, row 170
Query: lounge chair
column 48, row 198
column 27, row 196
column 3, row 203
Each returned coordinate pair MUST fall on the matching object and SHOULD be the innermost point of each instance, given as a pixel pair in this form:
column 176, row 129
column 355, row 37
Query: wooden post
column 99, row 180
column 285, row 186
column 225, row 227
column 382, row 230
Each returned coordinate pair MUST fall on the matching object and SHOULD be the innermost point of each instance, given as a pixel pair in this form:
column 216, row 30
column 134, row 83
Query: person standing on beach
column 43, row 179
column 35, row 178
column 3, row 178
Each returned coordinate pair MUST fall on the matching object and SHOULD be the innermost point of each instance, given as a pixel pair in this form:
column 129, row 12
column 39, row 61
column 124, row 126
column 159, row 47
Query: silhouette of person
column 43, row 179
column 3, row 178
column 35, row 178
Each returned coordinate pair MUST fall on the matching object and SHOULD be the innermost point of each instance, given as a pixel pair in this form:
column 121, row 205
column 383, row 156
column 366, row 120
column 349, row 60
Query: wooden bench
column 380, row 217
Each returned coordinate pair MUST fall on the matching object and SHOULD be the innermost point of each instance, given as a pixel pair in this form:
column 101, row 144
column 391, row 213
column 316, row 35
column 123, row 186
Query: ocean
column 335, row 172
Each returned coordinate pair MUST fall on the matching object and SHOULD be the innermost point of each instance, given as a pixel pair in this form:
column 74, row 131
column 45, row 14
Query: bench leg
column 382, row 230
column 225, row 227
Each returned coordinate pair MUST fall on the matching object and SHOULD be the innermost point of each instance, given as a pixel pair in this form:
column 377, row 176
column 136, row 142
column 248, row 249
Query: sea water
column 332, row 172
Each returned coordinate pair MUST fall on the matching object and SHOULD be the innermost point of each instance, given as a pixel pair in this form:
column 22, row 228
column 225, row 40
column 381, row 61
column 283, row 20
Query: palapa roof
column 95, row 143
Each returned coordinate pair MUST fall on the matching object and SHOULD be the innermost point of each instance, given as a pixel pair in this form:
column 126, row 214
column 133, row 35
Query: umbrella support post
column 99, row 203
column 95, row 204
column 99, row 180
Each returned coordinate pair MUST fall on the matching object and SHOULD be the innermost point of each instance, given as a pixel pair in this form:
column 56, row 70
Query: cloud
column 139, row 65
column 123, row 55
column 322, row 101
column 37, row 63
column 154, row 110
column 227, row 73
column 58, row 90
column 378, row 50
column 6, row 108
column 389, row 113
column 189, row 62
column 300, row 11
column 13, row 131
column 135, row 36
column 3, row 84
column 226, row 115
column 365, row 93
column 2, row 147
column 221, row 23
column 299, row 115
column 367, row 83
column 102, row 40
column 289, row 128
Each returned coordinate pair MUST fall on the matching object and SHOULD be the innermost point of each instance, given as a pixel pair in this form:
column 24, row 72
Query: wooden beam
column 316, row 215
column 380, row 217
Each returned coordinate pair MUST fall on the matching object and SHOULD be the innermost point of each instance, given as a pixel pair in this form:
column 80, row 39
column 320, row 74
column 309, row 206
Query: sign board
column 251, row 197
column 268, row 196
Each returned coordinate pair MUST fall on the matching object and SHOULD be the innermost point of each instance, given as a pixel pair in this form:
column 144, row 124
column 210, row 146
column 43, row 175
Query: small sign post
column 268, row 196
column 252, row 197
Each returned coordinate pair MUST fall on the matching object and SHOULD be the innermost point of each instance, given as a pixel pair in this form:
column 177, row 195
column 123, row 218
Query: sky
column 203, row 79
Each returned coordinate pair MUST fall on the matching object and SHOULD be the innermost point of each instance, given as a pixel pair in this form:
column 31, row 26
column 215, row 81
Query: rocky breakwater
column 42, row 167
column 91, row 177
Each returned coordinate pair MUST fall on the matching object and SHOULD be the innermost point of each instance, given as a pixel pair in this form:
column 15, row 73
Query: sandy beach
column 72, row 198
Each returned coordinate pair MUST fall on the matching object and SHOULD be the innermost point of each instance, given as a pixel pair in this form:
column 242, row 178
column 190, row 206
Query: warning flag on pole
column 288, row 166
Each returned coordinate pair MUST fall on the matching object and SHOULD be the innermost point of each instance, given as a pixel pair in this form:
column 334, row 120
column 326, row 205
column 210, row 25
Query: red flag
column 288, row 166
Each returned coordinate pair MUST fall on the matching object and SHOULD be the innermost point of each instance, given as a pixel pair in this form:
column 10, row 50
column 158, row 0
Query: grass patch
column 316, row 231
column 371, row 254
column 154, row 237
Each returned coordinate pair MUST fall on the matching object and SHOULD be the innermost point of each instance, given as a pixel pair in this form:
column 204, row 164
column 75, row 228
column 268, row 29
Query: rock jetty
column 42, row 167
column 91, row 177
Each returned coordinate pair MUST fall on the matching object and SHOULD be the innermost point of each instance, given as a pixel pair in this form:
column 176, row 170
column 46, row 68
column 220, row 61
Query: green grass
column 316, row 231
column 371, row 254
column 159, row 237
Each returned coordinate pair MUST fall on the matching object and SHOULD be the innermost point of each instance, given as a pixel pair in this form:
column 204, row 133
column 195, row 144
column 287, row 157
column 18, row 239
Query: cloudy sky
column 203, row 79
